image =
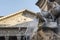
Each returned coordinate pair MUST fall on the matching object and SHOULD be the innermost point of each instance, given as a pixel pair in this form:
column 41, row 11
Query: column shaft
column 6, row 38
column 18, row 38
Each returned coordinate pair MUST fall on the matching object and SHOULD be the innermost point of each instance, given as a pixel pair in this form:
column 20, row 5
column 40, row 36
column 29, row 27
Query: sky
column 11, row 6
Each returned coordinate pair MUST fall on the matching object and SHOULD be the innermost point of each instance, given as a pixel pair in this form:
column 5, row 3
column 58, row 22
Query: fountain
column 50, row 14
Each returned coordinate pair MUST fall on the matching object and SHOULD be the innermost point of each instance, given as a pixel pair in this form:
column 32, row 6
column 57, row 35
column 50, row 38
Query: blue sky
column 11, row 6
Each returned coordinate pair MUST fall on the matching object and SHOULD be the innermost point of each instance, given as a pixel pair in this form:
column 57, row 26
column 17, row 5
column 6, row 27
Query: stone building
column 24, row 24
column 17, row 25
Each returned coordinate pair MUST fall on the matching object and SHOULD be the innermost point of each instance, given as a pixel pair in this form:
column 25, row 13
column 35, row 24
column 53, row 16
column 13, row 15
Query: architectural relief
column 19, row 26
column 27, row 25
column 50, row 14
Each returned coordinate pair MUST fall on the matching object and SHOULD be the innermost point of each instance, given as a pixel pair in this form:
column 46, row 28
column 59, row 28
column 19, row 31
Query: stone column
column 18, row 38
column 6, row 37
column 27, row 37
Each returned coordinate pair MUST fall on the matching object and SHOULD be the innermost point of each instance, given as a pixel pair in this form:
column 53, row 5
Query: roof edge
column 17, row 13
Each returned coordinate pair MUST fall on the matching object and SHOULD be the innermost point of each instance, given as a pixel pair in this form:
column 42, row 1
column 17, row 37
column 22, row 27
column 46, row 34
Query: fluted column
column 18, row 38
column 6, row 37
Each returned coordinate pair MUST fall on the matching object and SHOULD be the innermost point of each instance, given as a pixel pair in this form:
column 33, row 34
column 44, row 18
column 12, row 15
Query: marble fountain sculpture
column 50, row 19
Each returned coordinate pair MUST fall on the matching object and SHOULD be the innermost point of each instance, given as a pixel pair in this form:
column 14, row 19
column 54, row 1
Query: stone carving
column 49, row 30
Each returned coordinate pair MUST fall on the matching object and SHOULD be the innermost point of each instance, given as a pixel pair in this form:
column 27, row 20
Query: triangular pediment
column 22, row 18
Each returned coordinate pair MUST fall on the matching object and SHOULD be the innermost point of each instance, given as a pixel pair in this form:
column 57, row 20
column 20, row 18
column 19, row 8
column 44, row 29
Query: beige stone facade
column 16, row 24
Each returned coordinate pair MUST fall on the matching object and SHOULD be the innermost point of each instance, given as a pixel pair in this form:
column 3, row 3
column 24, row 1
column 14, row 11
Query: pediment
column 23, row 18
